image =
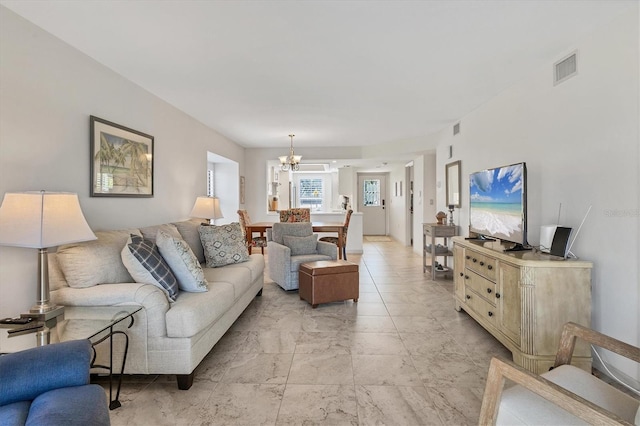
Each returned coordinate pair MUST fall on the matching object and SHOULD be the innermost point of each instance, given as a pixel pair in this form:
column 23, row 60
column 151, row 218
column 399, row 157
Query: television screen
column 499, row 204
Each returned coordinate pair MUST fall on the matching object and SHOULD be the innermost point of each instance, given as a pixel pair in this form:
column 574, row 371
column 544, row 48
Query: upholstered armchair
column 245, row 221
column 49, row 385
column 295, row 215
column 291, row 245
column 345, row 229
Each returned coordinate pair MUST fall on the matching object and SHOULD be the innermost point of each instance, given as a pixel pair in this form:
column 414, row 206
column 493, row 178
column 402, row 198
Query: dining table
column 338, row 227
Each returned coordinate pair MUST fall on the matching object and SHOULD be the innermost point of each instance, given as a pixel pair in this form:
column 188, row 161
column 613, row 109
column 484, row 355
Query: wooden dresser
column 523, row 299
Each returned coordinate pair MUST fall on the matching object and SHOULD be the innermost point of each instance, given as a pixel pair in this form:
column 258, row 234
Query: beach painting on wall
column 121, row 161
column 498, row 202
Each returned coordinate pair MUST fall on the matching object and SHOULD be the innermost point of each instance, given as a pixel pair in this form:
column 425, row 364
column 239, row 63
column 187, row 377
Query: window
column 311, row 193
column 211, row 182
column 372, row 192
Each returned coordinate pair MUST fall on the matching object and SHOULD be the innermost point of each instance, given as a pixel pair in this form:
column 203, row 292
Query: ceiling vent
column 456, row 129
column 566, row 68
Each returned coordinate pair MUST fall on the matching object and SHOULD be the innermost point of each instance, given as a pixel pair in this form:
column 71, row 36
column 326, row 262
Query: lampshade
column 207, row 208
column 39, row 219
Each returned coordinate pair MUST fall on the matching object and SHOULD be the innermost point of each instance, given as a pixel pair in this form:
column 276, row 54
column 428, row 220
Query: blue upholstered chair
column 49, row 385
column 290, row 245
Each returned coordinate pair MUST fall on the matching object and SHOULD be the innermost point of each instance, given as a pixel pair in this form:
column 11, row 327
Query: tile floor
column 400, row 356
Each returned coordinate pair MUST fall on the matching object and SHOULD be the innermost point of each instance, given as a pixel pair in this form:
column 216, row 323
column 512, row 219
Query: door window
column 371, row 192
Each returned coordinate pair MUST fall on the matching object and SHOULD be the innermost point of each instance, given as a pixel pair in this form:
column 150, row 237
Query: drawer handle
column 474, row 260
column 489, row 290
column 461, row 274
column 466, row 277
column 489, row 267
column 490, row 313
column 468, row 257
column 481, row 263
column 468, row 296
column 497, row 295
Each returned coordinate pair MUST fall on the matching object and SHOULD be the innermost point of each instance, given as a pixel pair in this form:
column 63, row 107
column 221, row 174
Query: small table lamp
column 40, row 219
column 207, row 208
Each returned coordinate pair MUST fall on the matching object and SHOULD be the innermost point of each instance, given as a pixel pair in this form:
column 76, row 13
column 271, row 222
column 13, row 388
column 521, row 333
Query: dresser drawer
column 485, row 288
column 478, row 304
column 481, row 264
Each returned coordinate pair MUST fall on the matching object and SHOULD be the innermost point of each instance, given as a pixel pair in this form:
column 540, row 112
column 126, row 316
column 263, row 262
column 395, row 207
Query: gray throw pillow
column 145, row 264
column 223, row 245
column 301, row 245
column 182, row 261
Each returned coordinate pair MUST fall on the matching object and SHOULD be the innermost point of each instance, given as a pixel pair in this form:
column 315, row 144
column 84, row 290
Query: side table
column 96, row 323
column 431, row 231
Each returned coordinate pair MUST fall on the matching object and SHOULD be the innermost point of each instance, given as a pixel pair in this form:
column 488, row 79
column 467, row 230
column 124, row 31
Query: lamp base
column 44, row 315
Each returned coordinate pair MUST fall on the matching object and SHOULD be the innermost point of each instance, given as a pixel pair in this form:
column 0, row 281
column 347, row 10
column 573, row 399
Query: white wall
column 580, row 141
column 47, row 92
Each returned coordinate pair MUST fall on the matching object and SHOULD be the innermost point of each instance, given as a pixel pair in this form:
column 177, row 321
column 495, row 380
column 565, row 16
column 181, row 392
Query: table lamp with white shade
column 207, row 208
column 40, row 219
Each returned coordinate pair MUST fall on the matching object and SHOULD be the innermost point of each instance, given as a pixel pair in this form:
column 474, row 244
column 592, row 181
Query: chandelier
column 291, row 161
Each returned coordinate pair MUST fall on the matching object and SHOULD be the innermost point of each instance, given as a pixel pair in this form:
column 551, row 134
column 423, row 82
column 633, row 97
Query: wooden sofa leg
column 185, row 380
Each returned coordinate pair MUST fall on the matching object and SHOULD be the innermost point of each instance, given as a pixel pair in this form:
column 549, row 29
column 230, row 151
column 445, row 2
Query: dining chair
column 295, row 215
column 334, row 240
column 245, row 221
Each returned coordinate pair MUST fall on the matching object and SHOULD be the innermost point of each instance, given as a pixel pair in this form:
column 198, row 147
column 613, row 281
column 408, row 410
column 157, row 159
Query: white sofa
column 166, row 337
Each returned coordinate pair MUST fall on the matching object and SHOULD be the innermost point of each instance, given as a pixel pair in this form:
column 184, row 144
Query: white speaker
column 554, row 239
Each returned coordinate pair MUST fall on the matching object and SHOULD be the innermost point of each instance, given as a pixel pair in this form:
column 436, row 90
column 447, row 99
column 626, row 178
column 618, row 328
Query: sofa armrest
column 29, row 373
column 151, row 298
column 327, row 249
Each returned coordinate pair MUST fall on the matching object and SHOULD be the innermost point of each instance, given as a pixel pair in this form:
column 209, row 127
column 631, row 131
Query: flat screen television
column 498, row 200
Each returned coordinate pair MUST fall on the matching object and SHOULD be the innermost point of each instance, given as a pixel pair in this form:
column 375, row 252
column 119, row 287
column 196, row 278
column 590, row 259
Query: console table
column 431, row 231
column 96, row 323
column 523, row 299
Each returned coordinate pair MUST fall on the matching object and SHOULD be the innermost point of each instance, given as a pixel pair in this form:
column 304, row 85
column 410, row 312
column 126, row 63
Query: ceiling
column 335, row 73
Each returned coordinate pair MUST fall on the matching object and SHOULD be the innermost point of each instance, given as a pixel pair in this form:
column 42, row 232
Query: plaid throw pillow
column 146, row 265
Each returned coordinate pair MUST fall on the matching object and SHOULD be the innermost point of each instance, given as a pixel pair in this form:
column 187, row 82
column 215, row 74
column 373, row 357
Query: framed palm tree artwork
column 121, row 161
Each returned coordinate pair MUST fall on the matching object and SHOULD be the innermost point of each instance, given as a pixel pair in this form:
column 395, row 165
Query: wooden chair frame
column 501, row 369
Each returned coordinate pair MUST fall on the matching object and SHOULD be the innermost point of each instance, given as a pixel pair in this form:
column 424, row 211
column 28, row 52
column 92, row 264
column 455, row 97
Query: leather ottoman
column 328, row 281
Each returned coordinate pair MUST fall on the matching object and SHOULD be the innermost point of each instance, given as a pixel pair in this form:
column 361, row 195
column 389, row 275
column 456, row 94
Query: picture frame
column 241, row 189
column 452, row 183
column 122, row 162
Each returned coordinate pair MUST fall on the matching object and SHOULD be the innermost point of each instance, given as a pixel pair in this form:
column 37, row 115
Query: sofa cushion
column 301, row 245
column 297, row 229
column 240, row 278
column 145, row 264
column 193, row 312
column 189, row 231
column 151, row 232
column 182, row 261
column 95, row 262
column 223, row 245
column 255, row 266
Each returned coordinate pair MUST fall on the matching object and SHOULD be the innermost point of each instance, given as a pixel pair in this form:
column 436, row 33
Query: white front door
column 372, row 190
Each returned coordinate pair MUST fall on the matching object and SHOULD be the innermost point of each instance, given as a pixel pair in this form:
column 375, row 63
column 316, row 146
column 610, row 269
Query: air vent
column 565, row 68
column 456, row 129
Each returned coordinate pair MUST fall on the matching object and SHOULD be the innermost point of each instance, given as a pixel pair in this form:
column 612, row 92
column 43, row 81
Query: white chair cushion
column 520, row 406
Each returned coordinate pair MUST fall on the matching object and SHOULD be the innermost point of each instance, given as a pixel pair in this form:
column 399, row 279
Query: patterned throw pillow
column 223, row 245
column 145, row 264
column 301, row 245
column 183, row 262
